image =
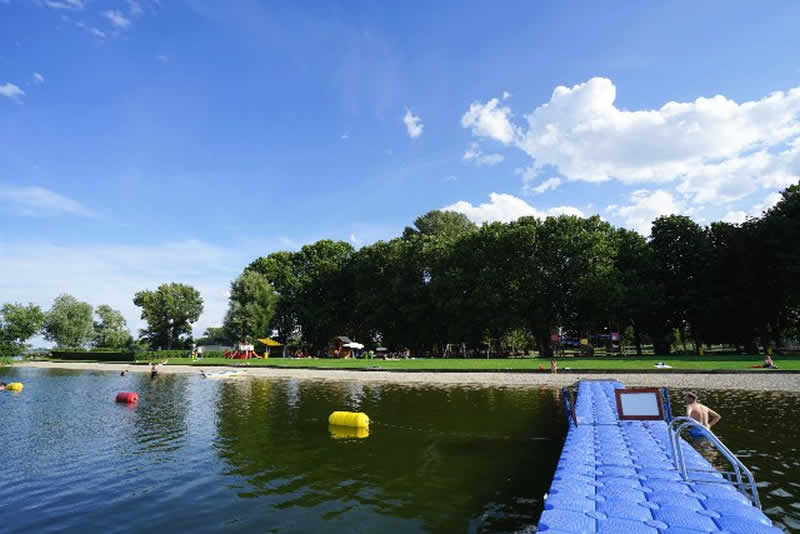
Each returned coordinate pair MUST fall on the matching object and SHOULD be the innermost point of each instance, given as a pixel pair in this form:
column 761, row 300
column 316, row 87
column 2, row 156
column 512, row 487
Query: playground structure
column 245, row 351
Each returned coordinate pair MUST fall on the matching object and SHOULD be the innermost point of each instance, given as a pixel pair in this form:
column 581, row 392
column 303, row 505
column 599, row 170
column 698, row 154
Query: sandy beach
column 744, row 381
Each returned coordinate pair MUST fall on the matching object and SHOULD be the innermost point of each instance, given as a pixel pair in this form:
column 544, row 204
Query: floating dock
column 619, row 476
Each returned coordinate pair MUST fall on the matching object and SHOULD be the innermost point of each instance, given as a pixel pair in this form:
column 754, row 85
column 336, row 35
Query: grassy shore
column 708, row 363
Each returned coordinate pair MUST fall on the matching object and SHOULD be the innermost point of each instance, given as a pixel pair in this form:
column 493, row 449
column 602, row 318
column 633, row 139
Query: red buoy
column 127, row 397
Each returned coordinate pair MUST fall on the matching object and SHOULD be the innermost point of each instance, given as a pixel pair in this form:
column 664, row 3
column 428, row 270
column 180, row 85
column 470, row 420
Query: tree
column 68, row 323
column 169, row 312
column 443, row 223
column 681, row 249
column 18, row 323
column 279, row 269
column 252, row 305
column 111, row 330
column 214, row 335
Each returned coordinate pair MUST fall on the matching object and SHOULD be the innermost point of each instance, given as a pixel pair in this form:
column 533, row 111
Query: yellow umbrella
column 269, row 342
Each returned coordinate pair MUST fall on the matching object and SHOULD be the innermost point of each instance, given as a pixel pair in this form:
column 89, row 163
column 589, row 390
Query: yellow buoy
column 14, row 386
column 351, row 419
column 348, row 432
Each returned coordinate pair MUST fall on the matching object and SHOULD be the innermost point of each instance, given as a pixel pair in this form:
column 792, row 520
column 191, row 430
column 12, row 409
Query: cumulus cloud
column 413, row 124
column 38, row 201
column 646, row 206
column 475, row 155
column 715, row 149
column 38, row 78
column 506, row 95
column 735, row 217
column 117, row 18
column 489, row 120
column 503, row 207
column 9, row 90
column 768, row 202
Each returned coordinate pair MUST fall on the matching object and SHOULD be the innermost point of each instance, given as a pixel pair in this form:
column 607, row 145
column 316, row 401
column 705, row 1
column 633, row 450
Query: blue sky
column 143, row 142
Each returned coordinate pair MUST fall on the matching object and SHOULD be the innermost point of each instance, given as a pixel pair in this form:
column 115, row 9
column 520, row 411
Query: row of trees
column 68, row 323
column 446, row 280
column 168, row 312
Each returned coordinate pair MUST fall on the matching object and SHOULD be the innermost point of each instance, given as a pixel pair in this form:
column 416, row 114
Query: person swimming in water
column 154, row 370
column 700, row 412
column 2, row 386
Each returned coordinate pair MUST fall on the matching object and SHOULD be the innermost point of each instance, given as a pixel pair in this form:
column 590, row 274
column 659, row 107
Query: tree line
column 447, row 281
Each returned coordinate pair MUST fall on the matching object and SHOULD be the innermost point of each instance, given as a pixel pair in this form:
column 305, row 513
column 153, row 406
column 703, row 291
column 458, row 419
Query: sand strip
column 719, row 380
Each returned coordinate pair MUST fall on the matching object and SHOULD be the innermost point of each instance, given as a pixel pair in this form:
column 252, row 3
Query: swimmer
column 700, row 412
column 2, row 386
column 154, row 370
column 124, row 373
column 203, row 373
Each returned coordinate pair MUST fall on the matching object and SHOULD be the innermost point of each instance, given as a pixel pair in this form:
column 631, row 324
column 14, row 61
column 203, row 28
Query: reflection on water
column 763, row 430
column 255, row 455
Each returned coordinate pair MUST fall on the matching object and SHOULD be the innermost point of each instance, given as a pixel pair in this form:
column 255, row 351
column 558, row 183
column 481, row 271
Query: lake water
column 257, row 455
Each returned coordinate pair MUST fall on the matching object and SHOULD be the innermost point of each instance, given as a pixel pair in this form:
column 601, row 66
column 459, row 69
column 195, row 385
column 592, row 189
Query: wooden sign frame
column 618, row 393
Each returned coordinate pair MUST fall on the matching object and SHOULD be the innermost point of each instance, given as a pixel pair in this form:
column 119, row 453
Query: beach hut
column 271, row 346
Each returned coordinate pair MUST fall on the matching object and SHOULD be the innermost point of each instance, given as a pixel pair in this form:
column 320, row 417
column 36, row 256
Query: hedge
column 105, row 356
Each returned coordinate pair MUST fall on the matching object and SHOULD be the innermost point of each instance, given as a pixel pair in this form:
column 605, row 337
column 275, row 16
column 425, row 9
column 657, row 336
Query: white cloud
column 37, row 78
column 135, row 8
column 715, row 149
column 474, row 154
column 65, row 4
column 162, row 59
column 450, row 178
column 735, row 217
column 506, row 208
column 116, row 18
column 764, row 205
column 9, row 90
column 345, row 137
column 646, row 206
column 35, row 201
column 506, row 95
column 547, row 185
column 413, row 124
column 489, row 121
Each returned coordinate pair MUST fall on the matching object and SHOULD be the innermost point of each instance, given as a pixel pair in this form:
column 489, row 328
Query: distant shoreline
column 717, row 380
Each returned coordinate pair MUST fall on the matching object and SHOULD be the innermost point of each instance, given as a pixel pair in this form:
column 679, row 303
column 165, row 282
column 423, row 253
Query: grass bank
column 706, row 363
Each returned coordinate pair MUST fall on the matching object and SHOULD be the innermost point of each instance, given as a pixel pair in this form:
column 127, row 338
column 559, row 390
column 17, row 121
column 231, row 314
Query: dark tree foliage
column 447, row 280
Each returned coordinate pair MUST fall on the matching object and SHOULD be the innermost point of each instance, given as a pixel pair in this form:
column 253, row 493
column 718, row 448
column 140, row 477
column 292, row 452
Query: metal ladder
column 740, row 476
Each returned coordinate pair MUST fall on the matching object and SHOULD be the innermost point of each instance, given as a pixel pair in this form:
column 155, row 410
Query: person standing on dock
column 700, row 412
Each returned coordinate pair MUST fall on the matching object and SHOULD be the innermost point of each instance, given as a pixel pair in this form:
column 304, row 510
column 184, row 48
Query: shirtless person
column 700, row 412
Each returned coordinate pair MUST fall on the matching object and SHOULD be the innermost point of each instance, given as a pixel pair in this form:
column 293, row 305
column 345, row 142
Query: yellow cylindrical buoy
column 14, row 386
column 350, row 419
column 348, row 432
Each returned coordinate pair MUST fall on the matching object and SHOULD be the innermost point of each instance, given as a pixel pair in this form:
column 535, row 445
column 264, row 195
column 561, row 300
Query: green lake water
column 257, row 455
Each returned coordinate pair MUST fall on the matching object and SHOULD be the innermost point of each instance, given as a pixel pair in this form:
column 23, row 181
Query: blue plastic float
column 619, row 476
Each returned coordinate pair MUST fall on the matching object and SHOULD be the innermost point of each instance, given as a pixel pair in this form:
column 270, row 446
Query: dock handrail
column 677, row 425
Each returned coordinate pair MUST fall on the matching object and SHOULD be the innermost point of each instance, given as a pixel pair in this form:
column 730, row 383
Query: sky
column 148, row 141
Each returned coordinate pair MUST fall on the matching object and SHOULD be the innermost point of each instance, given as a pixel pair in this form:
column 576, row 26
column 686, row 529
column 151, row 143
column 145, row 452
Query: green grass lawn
column 742, row 362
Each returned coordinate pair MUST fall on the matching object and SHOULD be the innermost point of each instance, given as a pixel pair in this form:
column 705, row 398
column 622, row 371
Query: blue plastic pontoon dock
column 620, row 477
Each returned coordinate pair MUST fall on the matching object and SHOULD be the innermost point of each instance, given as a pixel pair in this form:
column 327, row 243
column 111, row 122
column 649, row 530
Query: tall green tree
column 110, row 331
column 279, row 269
column 214, row 335
column 251, row 307
column 169, row 312
column 441, row 223
column 69, row 323
column 18, row 323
